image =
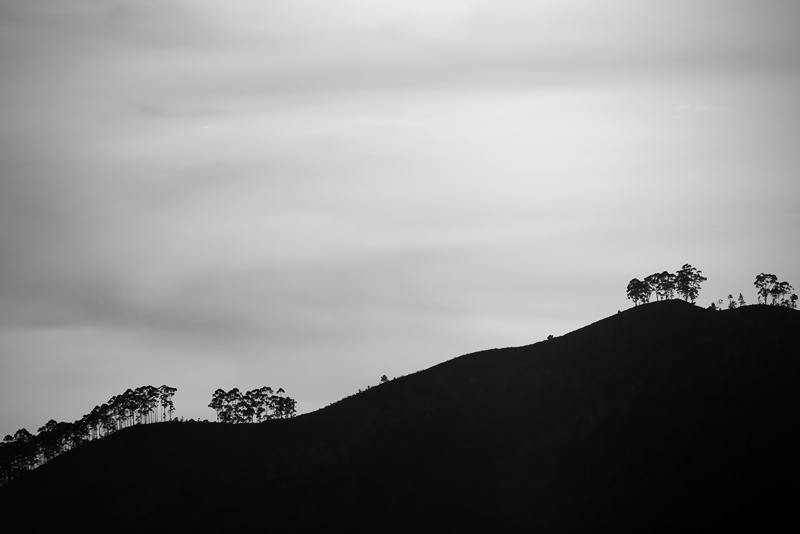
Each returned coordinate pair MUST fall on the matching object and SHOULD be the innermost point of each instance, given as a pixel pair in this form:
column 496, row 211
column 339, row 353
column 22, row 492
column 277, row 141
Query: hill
column 665, row 416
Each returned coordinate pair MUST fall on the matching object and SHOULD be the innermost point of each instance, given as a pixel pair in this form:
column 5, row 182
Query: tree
column 107, row 419
column 18, row 455
column 49, row 440
column 767, row 285
column 664, row 285
column 265, row 403
column 250, row 403
column 165, row 397
column 638, row 291
column 741, row 301
column 231, row 407
column 731, row 302
column 145, row 400
column 217, row 401
column 687, row 282
column 764, row 283
column 23, row 451
column 652, row 284
column 285, row 407
column 778, row 291
column 256, row 405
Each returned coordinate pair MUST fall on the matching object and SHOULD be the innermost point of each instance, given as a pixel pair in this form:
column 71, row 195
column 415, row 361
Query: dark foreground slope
column 663, row 417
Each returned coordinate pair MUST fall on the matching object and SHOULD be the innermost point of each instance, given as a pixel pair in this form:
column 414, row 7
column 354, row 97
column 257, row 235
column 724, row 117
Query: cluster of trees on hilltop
column 254, row 406
column 767, row 285
column 686, row 283
column 24, row 451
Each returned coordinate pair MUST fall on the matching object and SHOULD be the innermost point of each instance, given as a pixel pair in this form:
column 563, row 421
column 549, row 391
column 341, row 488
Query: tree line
column 767, row 285
column 770, row 292
column 24, row 451
column 685, row 282
column 254, row 406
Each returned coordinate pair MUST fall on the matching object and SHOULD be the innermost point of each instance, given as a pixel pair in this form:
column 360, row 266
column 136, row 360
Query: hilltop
column 665, row 416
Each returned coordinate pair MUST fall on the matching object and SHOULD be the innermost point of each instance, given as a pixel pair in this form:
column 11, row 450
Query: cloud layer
column 212, row 195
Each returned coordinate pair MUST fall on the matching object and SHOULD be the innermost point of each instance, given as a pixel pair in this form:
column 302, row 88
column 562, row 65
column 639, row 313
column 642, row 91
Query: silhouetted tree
column 639, row 291
column 18, row 455
column 741, row 301
column 764, row 283
column 145, row 400
column 778, row 292
column 217, row 402
column 687, row 282
column 50, row 440
column 652, row 284
column 230, row 406
column 23, row 451
column 767, row 285
column 250, row 403
column 165, row 398
column 256, row 405
column 664, row 285
column 78, row 433
column 264, row 406
column 107, row 419
column 284, row 407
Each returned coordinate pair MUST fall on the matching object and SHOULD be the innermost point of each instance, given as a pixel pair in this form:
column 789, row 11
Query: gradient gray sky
column 309, row 194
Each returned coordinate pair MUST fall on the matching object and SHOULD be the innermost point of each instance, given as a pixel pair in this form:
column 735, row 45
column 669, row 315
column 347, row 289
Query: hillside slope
column 664, row 416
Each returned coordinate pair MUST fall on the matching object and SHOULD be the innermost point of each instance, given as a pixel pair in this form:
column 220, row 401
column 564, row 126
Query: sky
column 311, row 194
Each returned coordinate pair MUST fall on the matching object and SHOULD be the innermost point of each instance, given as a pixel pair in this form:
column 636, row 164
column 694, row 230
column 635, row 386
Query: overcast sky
column 309, row 194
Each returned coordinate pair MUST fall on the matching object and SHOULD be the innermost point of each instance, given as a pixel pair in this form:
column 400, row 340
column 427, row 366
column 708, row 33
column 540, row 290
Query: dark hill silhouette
column 663, row 417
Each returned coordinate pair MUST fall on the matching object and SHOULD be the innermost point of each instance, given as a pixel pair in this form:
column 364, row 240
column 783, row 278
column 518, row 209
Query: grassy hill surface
column 663, row 417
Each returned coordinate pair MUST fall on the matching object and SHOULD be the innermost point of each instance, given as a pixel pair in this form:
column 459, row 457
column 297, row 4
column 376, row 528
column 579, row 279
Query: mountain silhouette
column 663, row 417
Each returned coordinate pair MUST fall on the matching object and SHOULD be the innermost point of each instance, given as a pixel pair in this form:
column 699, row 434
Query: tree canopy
column 686, row 283
column 24, row 451
column 768, row 286
column 254, row 406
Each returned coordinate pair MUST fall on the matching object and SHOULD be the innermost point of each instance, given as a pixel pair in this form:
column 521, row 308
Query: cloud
column 346, row 186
